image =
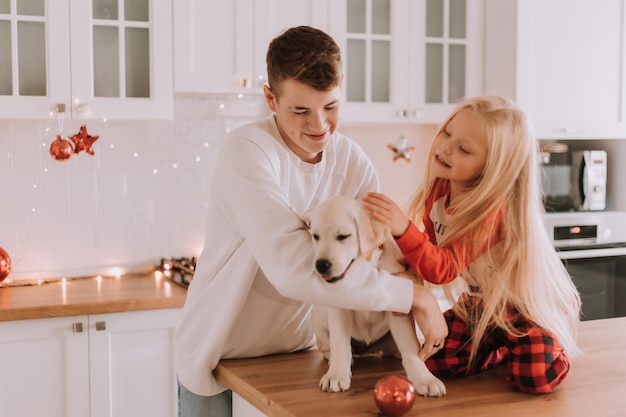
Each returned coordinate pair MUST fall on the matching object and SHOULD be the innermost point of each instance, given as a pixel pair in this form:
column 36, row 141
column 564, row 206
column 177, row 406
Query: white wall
column 398, row 179
column 142, row 196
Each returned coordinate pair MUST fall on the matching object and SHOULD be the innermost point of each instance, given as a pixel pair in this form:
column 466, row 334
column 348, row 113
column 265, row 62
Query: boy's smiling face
column 306, row 118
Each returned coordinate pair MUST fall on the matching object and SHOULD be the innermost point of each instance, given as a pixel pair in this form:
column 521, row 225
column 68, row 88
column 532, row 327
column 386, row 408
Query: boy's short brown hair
column 305, row 54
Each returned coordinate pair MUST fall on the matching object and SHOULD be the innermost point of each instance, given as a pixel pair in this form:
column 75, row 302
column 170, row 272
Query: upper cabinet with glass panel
column 34, row 57
column 446, row 43
column 408, row 60
column 113, row 31
column 118, row 53
column 367, row 51
column 27, row 24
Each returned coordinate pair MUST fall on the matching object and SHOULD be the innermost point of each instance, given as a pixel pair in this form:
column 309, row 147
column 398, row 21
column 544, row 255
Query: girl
column 480, row 206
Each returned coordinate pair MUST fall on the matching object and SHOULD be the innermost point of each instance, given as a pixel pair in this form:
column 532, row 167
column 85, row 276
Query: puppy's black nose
column 322, row 266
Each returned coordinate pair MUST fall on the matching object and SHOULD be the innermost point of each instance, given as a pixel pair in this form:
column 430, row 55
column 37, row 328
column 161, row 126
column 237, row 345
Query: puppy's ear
column 372, row 233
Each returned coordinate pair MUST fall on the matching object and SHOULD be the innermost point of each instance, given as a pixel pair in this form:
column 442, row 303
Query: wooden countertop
column 287, row 385
column 92, row 295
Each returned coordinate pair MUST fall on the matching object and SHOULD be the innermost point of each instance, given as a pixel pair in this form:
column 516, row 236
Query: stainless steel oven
column 592, row 245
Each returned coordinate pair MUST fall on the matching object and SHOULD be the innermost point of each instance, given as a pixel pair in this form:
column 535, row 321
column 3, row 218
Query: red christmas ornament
column 394, row 395
column 83, row 140
column 5, row 264
column 61, row 149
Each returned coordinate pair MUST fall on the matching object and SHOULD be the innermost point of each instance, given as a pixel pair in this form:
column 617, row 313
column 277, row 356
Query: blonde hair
column 528, row 274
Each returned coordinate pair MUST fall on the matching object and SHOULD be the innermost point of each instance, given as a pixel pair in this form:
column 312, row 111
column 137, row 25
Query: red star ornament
column 83, row 140
column 401, row 149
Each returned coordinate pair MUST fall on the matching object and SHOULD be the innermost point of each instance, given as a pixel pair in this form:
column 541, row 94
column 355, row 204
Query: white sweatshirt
column 255, row 281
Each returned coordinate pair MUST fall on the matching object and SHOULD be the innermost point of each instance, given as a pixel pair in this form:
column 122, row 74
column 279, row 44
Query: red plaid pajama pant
column 536, row 362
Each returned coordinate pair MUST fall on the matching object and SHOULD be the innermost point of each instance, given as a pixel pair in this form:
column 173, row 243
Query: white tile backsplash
column 143, row 195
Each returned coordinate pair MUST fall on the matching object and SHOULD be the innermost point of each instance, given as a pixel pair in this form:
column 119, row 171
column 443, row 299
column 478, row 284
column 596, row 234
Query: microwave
column 572, row 180
column 589, row 180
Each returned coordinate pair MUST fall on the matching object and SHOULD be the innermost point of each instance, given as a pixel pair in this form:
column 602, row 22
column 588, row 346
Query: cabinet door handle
column 574, row 130
column 418, row 114
column 82, row 107
column 101, row 325
column 77, row 327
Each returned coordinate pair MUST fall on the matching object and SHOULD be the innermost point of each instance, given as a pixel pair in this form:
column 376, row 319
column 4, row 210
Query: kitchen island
column 287, row 385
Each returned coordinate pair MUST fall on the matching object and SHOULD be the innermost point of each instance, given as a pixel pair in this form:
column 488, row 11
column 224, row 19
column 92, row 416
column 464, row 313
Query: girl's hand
column 430, row 320
column 386, row 211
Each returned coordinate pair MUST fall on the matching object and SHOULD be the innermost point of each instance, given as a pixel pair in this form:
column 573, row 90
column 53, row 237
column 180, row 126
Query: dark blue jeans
column 193, row 405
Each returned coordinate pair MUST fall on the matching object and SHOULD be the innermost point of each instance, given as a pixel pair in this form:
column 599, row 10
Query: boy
column 254, row 283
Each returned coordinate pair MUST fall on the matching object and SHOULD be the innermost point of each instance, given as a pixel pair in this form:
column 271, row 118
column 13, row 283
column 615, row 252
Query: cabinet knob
column 245, row 83
column 101, row 325
column 77, row 327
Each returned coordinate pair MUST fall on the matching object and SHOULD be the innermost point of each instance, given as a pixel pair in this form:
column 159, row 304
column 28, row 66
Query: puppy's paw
column 430, row 386
column 335, row 383
column 425, row 383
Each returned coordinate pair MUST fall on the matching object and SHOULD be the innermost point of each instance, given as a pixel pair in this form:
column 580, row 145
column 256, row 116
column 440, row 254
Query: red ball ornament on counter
column 394, row 395
column 61, row 149
column 5, row 264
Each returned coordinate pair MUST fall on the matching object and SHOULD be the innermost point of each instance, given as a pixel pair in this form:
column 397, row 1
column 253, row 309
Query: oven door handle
column 591, row 253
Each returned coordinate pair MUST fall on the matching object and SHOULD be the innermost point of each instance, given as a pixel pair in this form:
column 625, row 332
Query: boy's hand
column 410, row 274
column 430, row 320
column 386, row 211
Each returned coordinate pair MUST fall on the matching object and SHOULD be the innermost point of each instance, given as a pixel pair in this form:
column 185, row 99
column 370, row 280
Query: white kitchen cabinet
column 563, row 61
column 408, row 60
column 97, row 59
column 119, row 364
column 45, row 367
column 131, row 364
column 242, row 408
column 220, row 46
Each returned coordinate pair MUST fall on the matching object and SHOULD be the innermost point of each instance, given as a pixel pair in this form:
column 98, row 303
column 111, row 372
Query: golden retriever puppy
column 343, row 231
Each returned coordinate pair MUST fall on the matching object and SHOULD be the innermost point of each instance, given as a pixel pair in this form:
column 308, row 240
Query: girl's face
column 460, row 150
column 306, row 118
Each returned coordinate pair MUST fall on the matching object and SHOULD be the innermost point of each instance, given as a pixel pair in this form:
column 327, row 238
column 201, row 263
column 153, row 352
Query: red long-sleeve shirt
column 441, row 265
